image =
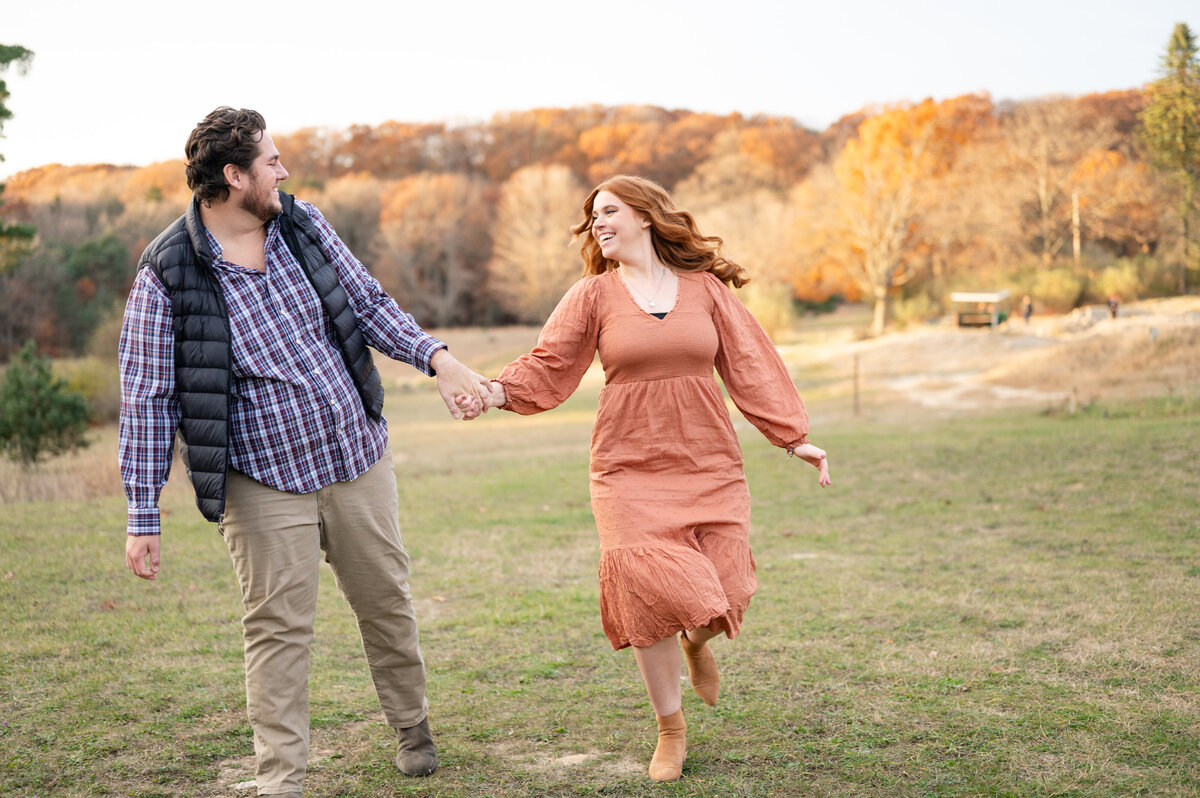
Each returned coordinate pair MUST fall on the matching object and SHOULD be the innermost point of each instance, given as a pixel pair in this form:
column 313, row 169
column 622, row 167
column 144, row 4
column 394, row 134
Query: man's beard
column 265, row 208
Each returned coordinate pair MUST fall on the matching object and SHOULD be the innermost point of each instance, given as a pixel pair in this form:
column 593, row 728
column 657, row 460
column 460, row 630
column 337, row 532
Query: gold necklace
column 649, row 299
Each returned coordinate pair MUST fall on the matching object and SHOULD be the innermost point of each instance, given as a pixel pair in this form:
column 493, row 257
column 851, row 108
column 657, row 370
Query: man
column 246, row 332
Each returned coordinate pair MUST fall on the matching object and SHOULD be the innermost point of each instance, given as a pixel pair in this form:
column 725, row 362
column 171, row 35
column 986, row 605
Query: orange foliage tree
column 784, row 145
column 538, row 136
column 1119, row 202
column 818, row 246
column 881, row 176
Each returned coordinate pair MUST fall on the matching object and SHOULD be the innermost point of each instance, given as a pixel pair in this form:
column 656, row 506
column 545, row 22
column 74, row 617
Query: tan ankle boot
column 702, row 669
column 667, row 763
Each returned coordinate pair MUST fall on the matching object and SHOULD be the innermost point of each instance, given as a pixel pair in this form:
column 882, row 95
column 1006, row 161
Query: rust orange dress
column 668, row 489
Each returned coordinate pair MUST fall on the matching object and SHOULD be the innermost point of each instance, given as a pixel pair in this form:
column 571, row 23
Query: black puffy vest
column 180, row 257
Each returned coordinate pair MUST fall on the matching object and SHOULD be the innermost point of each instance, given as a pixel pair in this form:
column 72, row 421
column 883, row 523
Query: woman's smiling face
column 617, row 227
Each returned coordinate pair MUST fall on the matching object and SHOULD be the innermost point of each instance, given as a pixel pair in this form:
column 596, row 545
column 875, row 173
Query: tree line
column 1067, row 199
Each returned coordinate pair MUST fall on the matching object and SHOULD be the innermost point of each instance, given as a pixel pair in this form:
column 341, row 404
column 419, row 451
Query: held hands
column 496, row 397
column 455, row 381
column 817, row 459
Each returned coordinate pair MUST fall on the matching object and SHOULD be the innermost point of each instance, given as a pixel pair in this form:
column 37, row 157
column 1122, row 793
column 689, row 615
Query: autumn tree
column 312, row 155
column 1171, row 130
column 1119, row 202
column 881, row 175
column 352, row 204
column 730, row 170
column 663, row 145
column 515, row 139
column 399, row 149
column 736, row 196
column 758, row 232
column 616, row 147
column 29, row 290
column 820, row 250
column 784, row 145
column 533, row 263
column 1120, row 199
column 1048, row 140
column 970, row 225
column 433, row 246
column 98, row 274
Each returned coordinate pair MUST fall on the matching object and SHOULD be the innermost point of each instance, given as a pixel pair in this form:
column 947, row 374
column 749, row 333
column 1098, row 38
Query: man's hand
column 142, row 555
column 455, row 379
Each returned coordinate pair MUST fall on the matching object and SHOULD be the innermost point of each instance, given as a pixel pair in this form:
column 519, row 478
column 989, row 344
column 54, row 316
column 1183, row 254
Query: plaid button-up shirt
column 297, row 422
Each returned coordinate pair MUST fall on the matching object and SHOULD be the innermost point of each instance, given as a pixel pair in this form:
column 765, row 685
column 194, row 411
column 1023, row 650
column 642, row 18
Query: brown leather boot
column 416, row 755
column 667, row 762
column 702, row 669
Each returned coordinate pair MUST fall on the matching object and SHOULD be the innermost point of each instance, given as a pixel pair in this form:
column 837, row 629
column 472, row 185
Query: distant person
column 1113, row 303
column 667, row 485
column 1026, row 309
column 246, row 331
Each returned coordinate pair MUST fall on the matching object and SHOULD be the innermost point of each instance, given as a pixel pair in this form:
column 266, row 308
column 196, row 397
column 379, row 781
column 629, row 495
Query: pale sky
column 125, row 81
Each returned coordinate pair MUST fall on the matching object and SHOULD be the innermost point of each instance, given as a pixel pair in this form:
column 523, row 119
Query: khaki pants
column 275, row 540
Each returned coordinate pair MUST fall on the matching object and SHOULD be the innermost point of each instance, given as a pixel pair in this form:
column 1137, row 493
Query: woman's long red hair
column 676, row 239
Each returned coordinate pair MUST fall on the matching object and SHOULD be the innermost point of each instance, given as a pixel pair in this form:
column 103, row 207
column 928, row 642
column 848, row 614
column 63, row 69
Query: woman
column 667, row 485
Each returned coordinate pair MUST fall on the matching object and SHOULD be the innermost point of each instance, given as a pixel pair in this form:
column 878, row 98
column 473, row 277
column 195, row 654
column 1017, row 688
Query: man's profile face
column 264, row 176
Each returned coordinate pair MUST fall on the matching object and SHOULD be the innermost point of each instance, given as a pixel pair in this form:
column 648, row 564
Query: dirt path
column 1151, row 349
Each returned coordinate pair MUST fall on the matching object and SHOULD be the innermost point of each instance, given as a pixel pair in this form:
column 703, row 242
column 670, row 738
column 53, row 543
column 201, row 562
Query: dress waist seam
column 662, row 379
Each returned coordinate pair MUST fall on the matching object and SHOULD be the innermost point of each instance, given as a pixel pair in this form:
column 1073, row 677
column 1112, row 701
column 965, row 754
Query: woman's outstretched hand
column 817, row 458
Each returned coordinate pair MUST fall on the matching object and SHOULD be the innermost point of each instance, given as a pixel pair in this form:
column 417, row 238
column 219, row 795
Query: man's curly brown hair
column 225, row 136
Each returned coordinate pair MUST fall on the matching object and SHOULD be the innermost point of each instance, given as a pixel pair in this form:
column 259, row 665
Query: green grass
column 1002, row 605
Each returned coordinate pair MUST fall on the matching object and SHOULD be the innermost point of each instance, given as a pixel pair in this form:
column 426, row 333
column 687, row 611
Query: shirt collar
column 218, row 259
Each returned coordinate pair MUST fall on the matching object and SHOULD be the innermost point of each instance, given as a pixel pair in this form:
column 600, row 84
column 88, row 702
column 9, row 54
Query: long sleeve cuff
column 425, row 352
column 144, row 521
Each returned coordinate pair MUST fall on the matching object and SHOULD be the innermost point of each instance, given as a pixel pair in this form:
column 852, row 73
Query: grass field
column 997, row 605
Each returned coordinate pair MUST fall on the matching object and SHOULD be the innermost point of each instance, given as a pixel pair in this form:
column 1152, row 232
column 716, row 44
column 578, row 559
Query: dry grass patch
column 86, row 474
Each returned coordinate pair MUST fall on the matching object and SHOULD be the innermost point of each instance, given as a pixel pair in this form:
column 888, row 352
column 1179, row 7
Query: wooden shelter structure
column 981, row 308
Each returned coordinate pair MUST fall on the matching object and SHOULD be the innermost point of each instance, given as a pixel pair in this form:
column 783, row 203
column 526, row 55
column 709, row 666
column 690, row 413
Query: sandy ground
column 1151, row 349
